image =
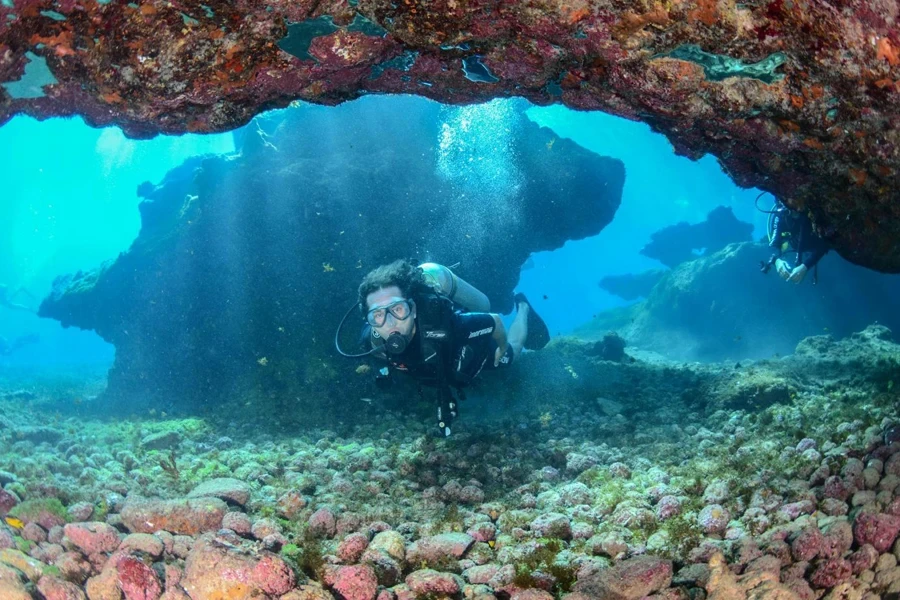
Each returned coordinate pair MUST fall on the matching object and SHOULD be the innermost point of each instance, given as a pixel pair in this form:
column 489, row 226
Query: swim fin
column 538, row 334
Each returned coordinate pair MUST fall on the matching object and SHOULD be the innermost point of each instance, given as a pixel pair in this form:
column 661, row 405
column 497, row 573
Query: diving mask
column 399, row 310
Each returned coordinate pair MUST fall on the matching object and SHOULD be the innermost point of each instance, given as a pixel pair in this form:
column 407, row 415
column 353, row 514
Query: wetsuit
column 471, row 349
column 795, row 230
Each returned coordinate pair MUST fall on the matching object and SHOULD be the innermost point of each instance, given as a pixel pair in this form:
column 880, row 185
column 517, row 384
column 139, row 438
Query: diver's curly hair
column 402, row 273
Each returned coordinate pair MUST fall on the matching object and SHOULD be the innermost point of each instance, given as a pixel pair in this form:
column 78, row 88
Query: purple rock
column 668, row 507
column 806, row 444
column 790, row 512
column 429, row 583
column 835, row 488
column 863, row 559
column 713, row 519
column 628, row 580
column 439, row 549
column 879, row 530
column 323, row 523
column 807, row 545
column 553, row 525
column 830, row 572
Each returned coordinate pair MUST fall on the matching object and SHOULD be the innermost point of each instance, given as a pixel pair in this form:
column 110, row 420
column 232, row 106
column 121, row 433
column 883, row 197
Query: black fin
column 538, row 334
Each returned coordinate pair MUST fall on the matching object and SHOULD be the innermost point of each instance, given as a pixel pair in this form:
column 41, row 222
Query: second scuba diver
column 792, row 230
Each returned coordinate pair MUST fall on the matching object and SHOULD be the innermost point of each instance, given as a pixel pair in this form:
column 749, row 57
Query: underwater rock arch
column 797, row 98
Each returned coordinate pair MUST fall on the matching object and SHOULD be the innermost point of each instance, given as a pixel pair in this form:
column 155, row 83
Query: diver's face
column 384, row 298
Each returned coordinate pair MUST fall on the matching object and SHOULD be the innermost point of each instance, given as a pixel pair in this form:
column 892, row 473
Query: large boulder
column 628, row 580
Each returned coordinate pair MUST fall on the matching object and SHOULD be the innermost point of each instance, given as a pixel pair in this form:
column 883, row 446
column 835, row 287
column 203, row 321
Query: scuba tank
column 445, row 282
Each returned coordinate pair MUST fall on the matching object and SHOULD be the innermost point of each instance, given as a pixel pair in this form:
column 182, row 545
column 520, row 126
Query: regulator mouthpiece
column 396, row 343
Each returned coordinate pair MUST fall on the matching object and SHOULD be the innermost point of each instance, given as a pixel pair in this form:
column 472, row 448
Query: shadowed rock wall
column 245, row 264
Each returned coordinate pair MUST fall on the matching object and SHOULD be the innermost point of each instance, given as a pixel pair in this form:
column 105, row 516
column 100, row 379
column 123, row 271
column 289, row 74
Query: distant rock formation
column 245, row 264
column 632, row 286
column 680, row 242
column 676, row 244
column 721, row 307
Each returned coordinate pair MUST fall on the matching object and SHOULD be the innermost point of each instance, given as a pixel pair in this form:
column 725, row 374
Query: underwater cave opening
column 71, row 211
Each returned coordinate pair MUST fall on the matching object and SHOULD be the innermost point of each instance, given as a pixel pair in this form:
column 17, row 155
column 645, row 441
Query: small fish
column 327, row 268
column 263, row 361
column 14, row 522
column 546, row 297
column 363, row 369
column 550, row 143
column 737, row 338
column 366, row 400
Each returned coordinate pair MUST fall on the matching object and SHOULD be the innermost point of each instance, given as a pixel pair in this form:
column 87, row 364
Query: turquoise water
column 70, row 203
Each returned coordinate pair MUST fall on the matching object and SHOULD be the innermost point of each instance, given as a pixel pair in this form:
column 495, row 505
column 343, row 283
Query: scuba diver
column 6, row 298
column 791, row 230
column 413, row 321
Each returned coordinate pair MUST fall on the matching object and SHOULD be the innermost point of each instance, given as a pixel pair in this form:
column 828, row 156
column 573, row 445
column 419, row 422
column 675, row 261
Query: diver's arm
column 778, row 230
column 812, row 258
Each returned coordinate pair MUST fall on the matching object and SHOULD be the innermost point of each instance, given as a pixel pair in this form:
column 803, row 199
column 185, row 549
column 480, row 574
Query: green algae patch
column 307, row 555
column 23, row 545
column 32, row 511
column 52, row 570
column 543, row 559
column 682, row 534
column 101, row 509
column 31, row 567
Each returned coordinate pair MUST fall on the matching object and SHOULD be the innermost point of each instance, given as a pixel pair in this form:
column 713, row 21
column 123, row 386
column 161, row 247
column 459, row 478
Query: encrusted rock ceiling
column 797, row 97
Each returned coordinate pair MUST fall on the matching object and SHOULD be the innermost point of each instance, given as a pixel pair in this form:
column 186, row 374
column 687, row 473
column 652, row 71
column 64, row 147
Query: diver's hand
column 498, row 354
column 781, row 267
column 797, row 274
